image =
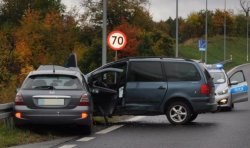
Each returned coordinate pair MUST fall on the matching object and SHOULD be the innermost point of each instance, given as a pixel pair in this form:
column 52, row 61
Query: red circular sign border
column 125, row 40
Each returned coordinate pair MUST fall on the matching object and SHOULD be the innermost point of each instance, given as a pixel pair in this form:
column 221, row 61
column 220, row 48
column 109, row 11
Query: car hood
column 220, row 87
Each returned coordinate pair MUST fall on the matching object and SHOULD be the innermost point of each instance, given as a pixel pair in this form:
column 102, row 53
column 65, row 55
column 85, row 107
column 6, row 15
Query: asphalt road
column 212, row 130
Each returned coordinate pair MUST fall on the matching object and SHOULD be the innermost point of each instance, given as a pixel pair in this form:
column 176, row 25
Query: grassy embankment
column 236, row 47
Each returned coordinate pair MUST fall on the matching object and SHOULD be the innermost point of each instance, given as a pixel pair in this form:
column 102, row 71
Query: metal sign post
column 104, row 33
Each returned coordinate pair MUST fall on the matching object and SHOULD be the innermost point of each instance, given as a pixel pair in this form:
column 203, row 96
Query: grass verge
column 19, row 136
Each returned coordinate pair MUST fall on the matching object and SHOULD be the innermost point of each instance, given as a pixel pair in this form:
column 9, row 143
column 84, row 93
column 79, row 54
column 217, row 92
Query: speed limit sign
column 117, row 40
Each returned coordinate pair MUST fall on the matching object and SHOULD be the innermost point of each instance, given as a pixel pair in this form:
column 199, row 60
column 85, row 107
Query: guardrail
column 6, row 114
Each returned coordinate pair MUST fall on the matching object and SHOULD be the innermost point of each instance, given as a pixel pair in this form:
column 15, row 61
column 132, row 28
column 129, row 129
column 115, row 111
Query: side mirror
column 234, row 83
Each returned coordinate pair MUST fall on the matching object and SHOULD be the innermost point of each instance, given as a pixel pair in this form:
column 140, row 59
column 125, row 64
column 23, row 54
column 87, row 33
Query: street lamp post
column 104, row 33
column 206, row 35
column 225, row 29
column 247, row 16
column 247, row 36
column 177, row 31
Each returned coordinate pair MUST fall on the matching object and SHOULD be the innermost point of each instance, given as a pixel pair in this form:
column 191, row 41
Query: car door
column 103, row 90
column 146, row 86
column 238, row 87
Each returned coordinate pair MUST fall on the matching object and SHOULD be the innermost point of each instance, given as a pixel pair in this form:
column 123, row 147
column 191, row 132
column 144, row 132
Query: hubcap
column 178, row 113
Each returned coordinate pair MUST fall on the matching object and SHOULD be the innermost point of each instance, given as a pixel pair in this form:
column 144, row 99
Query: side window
column 109, row 78
column 179, row 71
column 237, row 77
column 145, row 72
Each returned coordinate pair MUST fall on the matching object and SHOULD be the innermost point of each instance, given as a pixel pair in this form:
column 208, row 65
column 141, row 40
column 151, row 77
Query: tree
column 218, row 22
column 244, row 5
column 132, row 33
column 13, row 10
column 132, row 11
column 240, row 25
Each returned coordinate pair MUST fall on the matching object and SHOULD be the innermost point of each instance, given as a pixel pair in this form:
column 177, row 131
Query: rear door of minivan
column 146, row 86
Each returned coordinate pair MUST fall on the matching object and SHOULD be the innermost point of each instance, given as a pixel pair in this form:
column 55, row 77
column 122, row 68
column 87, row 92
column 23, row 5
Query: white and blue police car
column 228, row 90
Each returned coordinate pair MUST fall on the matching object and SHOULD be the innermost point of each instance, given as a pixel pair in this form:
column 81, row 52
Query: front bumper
column 223, row 100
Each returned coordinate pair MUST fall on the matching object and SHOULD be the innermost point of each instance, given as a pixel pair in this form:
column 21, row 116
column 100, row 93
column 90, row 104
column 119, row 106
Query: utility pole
column 225, row 28
column 206, row 35
column 247, row 32
column 104, row 33
column 177, row 31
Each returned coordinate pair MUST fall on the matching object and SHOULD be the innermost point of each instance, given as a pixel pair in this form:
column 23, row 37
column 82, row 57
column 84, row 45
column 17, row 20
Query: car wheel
column 178, row 113
column 193, row 117
column 232, row 105
column 87, row 129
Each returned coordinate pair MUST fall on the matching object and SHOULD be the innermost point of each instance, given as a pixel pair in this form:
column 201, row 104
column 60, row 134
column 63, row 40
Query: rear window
column 207, row 74
column 54, row 82
column 179, row 71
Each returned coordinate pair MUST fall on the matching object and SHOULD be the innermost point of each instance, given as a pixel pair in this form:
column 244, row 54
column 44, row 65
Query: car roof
column 54, row 69
column 153, row 58
column 149, row 58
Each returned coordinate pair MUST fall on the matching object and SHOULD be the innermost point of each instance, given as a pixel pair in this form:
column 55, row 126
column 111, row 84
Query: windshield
column 218, row 77
column 54, row 82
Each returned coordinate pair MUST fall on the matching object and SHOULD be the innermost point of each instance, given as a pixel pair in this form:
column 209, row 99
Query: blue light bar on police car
column 219, row 66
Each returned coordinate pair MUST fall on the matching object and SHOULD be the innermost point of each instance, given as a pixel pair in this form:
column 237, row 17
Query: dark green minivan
column 178, row 88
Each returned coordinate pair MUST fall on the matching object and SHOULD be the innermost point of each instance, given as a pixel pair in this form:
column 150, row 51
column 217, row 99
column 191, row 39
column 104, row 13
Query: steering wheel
column 100, row 83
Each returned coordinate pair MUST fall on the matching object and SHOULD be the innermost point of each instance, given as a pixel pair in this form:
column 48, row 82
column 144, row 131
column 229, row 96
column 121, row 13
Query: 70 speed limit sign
column 117, row 40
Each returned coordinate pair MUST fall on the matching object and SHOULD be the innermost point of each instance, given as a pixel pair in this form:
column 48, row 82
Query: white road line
column 110, row 129
column 68, row 146
column 135, row 119
column 85, row 139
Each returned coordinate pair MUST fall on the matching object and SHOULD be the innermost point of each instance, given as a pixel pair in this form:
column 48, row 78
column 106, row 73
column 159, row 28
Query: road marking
column 135, row 119
column 85, row 139
column 68, row 146
column 110, row 129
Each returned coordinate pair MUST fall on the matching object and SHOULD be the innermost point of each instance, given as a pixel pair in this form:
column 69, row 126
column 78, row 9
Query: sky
column 163, row 9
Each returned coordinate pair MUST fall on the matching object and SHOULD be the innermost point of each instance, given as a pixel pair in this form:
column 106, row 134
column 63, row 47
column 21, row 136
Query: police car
column 228, row 90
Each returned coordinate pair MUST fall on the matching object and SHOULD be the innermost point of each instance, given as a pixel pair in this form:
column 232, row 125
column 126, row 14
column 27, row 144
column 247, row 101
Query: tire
column 178, row 113
column 87, row 129
column 193, row 117
column 232, row 105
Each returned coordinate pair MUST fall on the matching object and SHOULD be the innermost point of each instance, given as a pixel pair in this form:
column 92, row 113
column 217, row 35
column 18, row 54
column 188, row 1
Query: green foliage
column 236, row 46
column 13, row 10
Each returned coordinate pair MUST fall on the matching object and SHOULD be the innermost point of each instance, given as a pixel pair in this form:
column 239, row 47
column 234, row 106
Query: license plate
column 50, row 102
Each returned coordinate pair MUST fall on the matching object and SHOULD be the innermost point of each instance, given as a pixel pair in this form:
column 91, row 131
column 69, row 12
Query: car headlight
column 223, row 101
column 223, row 92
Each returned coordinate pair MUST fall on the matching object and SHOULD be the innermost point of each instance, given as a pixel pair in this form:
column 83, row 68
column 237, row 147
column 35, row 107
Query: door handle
column 161, row 87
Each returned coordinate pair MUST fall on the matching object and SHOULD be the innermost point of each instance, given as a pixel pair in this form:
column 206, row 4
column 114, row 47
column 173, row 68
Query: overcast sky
column 163, row 9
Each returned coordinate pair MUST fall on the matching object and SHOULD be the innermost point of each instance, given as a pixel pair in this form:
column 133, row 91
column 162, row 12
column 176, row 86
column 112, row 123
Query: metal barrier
column 6, row 114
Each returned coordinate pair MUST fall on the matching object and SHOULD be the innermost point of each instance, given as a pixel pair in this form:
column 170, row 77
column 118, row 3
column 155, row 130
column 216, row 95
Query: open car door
column 104, row 90
column 238, row 87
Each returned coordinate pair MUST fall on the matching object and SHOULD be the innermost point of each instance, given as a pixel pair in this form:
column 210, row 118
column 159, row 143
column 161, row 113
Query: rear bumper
column 53, row 116
column 203, row 106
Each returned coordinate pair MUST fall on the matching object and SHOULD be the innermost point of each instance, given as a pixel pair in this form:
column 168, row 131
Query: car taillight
column 84, row 101
column 205, row 90
column 19, row 99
